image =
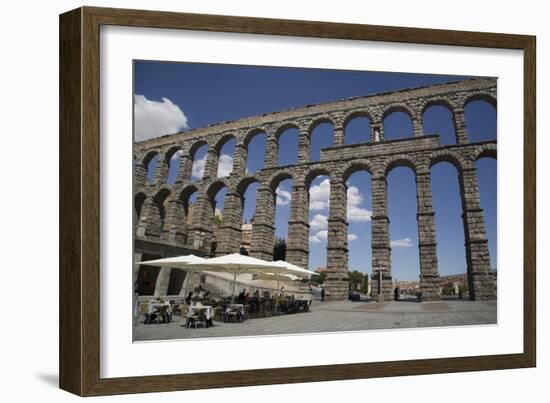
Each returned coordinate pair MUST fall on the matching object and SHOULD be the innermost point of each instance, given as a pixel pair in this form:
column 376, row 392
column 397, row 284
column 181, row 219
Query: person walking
column 323, row 294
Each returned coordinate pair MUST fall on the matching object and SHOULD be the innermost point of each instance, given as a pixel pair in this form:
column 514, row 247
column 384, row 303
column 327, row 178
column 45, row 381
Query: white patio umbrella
column 179, row 262
column 291, row 270
column 236, row 264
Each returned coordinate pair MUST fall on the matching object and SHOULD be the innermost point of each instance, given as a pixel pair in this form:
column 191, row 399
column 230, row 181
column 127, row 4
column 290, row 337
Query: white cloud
column 198, row 167
column 402, row 243
column 283, row 197
column 176, row 155
column 225, row 165
column 319, row 237
column 354, row 212
column 319, row 196
column 352, row 237
column 154, row 119
column 319, row 222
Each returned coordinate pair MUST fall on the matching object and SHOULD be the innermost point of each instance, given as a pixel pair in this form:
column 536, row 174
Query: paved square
column 337, row 316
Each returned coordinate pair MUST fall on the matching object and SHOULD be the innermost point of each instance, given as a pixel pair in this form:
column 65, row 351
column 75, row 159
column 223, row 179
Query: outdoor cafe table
column 208, row 310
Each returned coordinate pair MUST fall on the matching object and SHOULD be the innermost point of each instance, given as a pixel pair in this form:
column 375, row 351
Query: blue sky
column 171, row 97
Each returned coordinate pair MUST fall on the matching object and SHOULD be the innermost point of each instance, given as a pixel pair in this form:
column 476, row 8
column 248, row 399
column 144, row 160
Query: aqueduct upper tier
column 161, row 209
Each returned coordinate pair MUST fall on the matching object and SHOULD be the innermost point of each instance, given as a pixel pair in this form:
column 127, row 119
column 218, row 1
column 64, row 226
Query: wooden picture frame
column 79, row 346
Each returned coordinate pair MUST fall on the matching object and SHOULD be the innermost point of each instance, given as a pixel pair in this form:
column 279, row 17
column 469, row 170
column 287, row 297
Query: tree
column 355, row 279
column 365, row 288
column 279, row 249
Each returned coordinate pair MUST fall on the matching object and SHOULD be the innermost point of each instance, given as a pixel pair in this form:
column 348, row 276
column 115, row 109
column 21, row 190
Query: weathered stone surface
column 162, row 210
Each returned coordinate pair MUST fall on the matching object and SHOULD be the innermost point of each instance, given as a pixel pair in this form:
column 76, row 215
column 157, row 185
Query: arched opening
column 319, row 200
column 248, row 203
column 173, row 159
column 438, row 119
column 402, row 209
column 481, row 120
column 288, row 146
column 139, row 199
column 188, row 198
column 255, row 152
column 449, row 229
column 357, row 130
column 216, row 197
column 199, row 162
column 283, row 193
column 358, row 216
column 226, row 154
column 150, row 162
column 487, row 182
column 397, row 125
column 321, row 137
column 147, row 275
column 157, row 214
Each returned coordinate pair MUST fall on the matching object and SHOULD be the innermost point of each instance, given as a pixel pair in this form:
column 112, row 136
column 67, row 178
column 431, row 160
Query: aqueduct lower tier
column 161, row 209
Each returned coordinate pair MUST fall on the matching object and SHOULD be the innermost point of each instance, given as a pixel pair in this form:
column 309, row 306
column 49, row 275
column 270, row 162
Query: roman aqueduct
column 161, row 208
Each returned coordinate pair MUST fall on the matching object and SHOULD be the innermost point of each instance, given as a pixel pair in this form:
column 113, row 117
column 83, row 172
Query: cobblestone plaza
column 337, row 316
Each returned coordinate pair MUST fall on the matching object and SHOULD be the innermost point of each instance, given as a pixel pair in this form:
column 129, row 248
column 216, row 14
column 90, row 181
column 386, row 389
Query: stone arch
column 411, row 116
column 486, row 150
column 447, row 156
column 214, row 188
column 245, row 182
column 225, row 166
column 400, row 107
column 278, row 178
column 139, row 200
column 284, row 127
column 445, row 102
column 354, row 166
column 172, row 170
column 147, row 162
column 247, row 139
column 157, row 212
column 195, row 147
column 357, row 117
column 319, row 120
column 361, row 113
column 399, row 161
column 480, row 96
column 222, row 140
column 314, row 173
column 253, row 133
column 186, row 194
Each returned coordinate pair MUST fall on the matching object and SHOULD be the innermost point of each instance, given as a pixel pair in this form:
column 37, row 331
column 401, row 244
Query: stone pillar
column 263, row 228
column 239, row 161
column 229, row 231
column 200, row 233
column 481, row 283
column 460, row 126
column 211, row 165
column 140, row 175
column 174, row 229
column 186, row 167
column 381, row 249
column 161, row 171
column 337, row 243
column 271, row 151
column 304, row 142
column 141, row 228
column 297, row 251
column 338, row 133
column 163, row 279
column 427, row 245
column 418, row 130
column 377, row 127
